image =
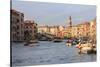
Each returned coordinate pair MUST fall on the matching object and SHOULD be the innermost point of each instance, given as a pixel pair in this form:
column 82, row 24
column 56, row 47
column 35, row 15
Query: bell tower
column 70, row 21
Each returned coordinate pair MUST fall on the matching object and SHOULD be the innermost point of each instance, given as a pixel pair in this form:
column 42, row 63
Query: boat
column 33, row 45
column 30, row 42
column 43, row 39
column 26, row 44
column 69, row 42
column 86, row 48
column 33, row 41
column 57, row 39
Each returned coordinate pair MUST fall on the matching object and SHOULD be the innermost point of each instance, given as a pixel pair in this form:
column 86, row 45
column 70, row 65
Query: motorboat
column 57, row 39
column 86, row 48
column 33, row 41
column 69, row 42
column 30, row 42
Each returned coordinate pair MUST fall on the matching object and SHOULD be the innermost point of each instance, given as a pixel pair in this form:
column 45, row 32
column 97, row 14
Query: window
column 17, row 33
column 26, row 26
column 17, row 20
column 17, row 27
column 34, row 27
column 13, row 28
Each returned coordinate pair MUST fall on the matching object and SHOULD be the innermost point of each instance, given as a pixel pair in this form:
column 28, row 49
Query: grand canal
column 47, row 53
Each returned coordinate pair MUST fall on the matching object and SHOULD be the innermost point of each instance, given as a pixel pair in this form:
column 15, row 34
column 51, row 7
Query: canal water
column 47, row 53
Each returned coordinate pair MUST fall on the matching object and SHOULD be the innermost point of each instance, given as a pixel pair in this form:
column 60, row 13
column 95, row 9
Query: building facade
column 30, row 30
column 93, row 28
column 53, row 30
column 43, row 29
column 80, row 30
column 84, row 29
column 74, row 31
column 17, row 19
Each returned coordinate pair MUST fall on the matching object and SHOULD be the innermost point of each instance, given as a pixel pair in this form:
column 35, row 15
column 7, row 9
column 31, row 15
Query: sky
column 44, row 13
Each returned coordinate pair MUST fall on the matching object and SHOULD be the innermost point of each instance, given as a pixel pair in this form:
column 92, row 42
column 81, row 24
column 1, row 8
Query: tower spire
column 70, row 21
